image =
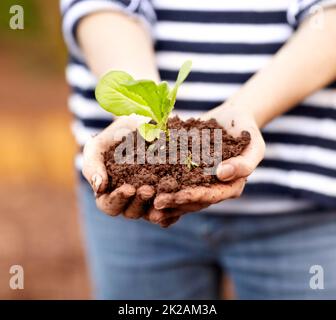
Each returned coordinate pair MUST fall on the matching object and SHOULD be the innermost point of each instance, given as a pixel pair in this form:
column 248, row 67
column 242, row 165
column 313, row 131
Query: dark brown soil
column 174, row 177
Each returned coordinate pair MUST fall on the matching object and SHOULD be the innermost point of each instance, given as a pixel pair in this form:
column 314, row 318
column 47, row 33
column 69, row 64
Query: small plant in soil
column 120, row 94
column 190, row 163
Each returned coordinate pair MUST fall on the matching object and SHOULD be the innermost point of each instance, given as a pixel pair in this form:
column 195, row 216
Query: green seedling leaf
column 118, row 93
column 114, row 96
column 149, row 131
column 163, row 92
column 182, row 75
column 189, row 163
column 150, row 92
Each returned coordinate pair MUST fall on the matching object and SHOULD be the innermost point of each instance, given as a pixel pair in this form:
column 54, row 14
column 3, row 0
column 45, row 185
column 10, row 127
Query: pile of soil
column 173, row 177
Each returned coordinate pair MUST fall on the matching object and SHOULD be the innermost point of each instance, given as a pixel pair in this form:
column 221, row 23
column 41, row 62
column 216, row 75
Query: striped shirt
column 227, row 41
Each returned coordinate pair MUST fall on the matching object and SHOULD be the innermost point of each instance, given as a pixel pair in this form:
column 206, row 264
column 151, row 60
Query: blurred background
column 39, row 225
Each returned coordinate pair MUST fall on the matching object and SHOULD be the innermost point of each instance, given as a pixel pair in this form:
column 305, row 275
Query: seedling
column 118, row 93
column 189, row 163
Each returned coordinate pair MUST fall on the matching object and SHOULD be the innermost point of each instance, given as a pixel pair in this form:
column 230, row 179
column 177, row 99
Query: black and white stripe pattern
column 228, row 41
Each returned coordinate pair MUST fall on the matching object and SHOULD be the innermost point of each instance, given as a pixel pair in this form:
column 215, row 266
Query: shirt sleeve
column 74, row 10
column 299, row 9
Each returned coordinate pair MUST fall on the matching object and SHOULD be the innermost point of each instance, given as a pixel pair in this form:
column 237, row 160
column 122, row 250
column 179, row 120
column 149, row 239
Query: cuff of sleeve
column 299, row 10
column 78, row 10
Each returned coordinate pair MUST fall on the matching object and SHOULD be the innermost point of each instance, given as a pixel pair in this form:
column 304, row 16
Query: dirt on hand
column 172, row 177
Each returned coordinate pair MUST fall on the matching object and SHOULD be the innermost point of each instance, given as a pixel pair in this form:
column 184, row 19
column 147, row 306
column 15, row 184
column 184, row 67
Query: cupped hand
column 236, row 120
column 169, row 207
column 126, row 199
column 233, row 172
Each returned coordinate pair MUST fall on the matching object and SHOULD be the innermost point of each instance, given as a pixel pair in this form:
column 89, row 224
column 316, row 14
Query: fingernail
column 225, row 171
column 96, row 182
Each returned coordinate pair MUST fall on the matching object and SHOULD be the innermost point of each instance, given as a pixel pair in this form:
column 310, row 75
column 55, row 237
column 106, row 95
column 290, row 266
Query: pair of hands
column 167, row 208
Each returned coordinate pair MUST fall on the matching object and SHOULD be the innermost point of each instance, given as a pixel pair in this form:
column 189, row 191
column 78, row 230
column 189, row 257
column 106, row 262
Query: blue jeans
column 267, row 257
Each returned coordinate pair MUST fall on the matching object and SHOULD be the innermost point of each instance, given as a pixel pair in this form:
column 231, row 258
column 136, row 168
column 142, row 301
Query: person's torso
column 229, row 41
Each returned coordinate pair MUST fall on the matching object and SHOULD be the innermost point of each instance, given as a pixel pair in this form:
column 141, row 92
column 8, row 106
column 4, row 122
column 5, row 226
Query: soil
column 173, row 177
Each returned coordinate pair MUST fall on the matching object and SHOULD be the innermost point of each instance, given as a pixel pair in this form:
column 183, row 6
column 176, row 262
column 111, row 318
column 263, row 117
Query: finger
column 115, row 202
column 145, row 216
column 184, row 196
column 181, row 210
column 220, row 192
column 159, row 216
column 194, row 195
column 165, row 200
column 93, row 165
column 175, row 214
column 137, row 207
column 244, row 164
column 190, row 195
column 168, row 222
column 185, row 208
column 93, row 154
column 200, row 195
column 175, row 200
column 155, row 215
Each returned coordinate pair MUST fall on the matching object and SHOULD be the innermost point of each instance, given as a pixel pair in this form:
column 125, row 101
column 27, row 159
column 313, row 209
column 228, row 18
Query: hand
column 125, row 199
column 168, row 208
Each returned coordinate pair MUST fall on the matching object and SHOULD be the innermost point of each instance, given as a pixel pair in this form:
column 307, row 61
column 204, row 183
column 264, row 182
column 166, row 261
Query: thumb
column 233, row 168
column 244, row 164
column 94, row 169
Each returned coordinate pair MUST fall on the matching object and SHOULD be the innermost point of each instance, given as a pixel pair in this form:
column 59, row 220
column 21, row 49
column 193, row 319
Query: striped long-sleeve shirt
column 227, row 41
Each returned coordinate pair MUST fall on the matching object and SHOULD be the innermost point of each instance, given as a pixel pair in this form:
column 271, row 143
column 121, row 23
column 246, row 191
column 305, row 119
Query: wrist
column 232, row 112
column 256, row 113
